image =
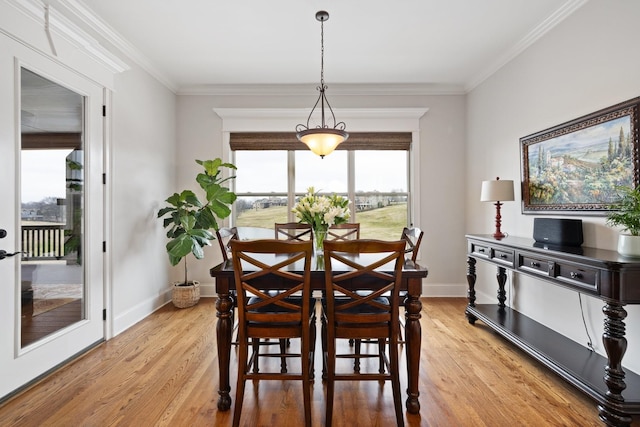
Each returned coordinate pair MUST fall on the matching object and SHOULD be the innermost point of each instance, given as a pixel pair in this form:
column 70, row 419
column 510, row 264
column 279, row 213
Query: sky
column 43, row 174
column 266, row 171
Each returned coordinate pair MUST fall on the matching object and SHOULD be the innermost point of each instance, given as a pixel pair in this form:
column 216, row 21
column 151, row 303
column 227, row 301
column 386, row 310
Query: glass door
column 51, row 270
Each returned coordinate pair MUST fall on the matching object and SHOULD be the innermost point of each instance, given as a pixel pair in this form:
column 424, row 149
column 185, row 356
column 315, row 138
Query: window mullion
column 291, row 184
column 351, row 183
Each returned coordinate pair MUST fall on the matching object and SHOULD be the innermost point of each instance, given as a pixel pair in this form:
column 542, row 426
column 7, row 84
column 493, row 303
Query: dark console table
column 600, row 273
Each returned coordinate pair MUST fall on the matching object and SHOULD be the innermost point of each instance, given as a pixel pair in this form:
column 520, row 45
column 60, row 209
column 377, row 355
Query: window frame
column 357, row 119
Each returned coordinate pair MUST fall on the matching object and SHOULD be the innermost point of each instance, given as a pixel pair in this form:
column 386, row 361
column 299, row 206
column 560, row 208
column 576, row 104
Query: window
column 269, row 181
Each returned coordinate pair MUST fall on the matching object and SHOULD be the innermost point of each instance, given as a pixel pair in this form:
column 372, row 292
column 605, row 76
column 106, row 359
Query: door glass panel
column 52, row 212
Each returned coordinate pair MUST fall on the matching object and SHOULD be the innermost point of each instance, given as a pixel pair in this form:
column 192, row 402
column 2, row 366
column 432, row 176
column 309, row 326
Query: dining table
column 412, row 276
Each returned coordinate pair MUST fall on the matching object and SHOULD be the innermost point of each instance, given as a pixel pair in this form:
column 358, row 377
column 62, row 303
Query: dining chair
column 224, row 236
column 293, row 231
column 260, row 265
column 346, row 231
column 413, row 237
column 347, row 314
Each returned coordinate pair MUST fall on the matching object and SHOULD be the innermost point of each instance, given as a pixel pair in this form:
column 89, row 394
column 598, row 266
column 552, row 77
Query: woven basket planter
column 186, row 296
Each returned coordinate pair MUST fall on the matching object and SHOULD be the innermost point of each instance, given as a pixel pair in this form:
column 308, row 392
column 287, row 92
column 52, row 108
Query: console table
column 600, row 273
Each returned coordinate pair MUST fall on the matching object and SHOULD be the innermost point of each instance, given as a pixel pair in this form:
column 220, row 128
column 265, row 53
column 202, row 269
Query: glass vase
column 319, row 234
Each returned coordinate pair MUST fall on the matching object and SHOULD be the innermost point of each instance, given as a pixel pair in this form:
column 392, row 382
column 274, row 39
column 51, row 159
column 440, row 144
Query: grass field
column 383, row 223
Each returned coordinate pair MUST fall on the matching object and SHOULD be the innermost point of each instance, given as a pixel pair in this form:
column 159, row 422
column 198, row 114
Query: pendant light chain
column 322, row 53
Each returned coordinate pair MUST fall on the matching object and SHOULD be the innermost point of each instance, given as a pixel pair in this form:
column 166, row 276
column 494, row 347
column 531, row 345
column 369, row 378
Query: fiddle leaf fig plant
column 189, row 220
column 627, row 213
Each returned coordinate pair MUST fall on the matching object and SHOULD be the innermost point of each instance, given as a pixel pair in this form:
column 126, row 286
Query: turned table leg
column 224, row 329
column 471, row 292
column 502, row 279
column 413, row 338
column 615, row 344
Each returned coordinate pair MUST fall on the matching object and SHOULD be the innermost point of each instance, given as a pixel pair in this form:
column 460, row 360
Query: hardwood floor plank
column 163, row 372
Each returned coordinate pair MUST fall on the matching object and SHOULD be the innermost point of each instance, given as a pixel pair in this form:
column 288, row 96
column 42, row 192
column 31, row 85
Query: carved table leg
column 471, row 293
column 502, row 279
column 413, row 338
column 615, row 345
column 224, row 329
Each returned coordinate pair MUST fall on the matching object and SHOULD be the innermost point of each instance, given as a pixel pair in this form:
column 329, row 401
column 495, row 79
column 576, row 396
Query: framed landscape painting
column 575, row 167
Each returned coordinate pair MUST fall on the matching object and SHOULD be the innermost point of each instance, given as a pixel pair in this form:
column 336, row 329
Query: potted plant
column 627, row 216
column 189, row 222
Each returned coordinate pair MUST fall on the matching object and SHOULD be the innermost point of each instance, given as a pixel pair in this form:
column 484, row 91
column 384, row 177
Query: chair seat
column 360, row 309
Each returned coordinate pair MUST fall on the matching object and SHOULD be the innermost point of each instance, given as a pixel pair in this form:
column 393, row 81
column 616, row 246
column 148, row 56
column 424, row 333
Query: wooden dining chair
column 348, row 314
column 261, row 265
column 346, row 231
column 224, row 236
column 293, row 231
column 413, row 237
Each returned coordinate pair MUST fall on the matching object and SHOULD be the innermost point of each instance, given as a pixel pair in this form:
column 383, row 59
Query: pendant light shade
column 322, row 139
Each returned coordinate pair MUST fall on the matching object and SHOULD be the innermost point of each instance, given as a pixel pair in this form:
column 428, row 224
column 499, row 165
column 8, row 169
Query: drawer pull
column 481, row 250
column 503, row 256
column 535, row 264
column 575, row 275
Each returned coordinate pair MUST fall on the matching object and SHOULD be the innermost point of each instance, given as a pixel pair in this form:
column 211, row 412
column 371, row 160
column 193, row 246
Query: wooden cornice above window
column 52, row 141
column 288, row 141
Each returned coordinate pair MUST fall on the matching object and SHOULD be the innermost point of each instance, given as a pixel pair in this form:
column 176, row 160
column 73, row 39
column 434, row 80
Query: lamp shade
column 497, row 191
column 322, row 141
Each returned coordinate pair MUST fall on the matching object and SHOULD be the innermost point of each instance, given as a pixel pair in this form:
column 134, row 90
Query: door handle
column 4, row 254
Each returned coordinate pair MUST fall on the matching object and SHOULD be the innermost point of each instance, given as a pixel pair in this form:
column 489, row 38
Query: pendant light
column 322, row 139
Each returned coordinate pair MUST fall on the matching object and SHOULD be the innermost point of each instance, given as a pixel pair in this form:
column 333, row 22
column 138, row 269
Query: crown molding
column 355, row 113
column 334, row 89
column 103, row 29
column 63, row 27
column 554, row 19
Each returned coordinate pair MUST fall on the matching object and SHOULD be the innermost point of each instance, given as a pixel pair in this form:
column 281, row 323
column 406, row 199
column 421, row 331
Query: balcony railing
column 42, row 242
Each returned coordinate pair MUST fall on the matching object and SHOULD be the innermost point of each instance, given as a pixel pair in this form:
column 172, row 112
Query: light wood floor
column 163, row 372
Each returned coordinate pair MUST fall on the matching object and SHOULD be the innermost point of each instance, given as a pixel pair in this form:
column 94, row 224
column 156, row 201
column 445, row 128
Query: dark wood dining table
column 412, row 275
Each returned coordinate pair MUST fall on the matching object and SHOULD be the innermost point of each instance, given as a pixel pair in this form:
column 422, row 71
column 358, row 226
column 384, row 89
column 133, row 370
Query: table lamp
column 497, row 191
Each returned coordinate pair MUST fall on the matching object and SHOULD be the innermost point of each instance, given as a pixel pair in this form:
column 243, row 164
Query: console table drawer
column 480, row 250
column 499, row 255
column 503, row 256
column 531, row 264
column 578, row 275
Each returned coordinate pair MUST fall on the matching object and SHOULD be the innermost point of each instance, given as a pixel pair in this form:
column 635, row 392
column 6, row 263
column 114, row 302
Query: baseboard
column 138, row 312
column 444, row 290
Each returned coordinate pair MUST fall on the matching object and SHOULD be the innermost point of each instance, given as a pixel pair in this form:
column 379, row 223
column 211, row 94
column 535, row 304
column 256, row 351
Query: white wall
column 442, row 138
column 142, row 176
column 585, row 64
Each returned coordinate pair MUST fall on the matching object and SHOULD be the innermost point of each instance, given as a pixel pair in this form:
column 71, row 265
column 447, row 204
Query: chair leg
column 381, row 349
column 331, row 380
column 356, row 360
column 306, row 378
column 255, row 343
column 395, row 383
column 242, row 370
column 323, row 336
column 283, row 359
column 312, row 346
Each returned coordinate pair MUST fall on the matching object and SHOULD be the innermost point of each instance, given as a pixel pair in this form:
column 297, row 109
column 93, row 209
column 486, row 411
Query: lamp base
column 498, row 234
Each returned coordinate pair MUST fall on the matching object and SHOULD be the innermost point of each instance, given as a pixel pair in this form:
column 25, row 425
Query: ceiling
column 447, row 43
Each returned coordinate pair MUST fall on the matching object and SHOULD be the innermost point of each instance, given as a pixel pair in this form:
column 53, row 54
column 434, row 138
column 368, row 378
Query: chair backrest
column 263, row 265
column 347, row 231
column 225, row 235
column 293, row 231
column 374, row 265
column 413, row 237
